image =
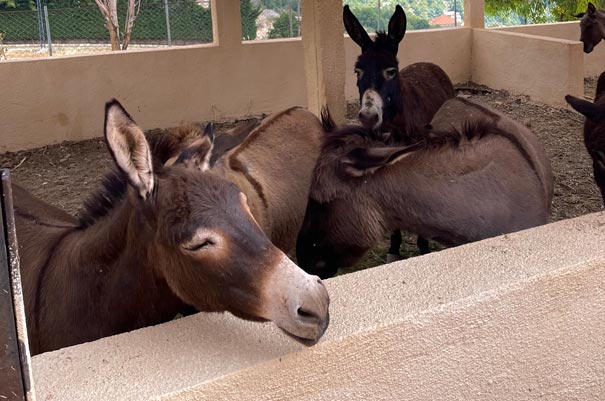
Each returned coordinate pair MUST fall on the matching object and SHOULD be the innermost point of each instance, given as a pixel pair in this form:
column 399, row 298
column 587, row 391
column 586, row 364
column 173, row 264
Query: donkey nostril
column 305, row 314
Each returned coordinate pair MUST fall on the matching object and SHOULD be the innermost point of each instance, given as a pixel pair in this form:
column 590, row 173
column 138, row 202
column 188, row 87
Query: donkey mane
column 381, row 40
column 115, row 185
column 336, row 136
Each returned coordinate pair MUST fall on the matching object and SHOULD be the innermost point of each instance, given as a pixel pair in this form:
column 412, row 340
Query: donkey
column 273, row 166
column 153, row 239
column 592, row 27
column 398, row 103
column 594, row 130
column 476, row 174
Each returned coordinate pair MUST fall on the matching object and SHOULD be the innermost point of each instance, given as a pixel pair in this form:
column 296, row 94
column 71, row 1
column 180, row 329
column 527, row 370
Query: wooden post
column 226, row 22
column 474, row 13
column 323, row 44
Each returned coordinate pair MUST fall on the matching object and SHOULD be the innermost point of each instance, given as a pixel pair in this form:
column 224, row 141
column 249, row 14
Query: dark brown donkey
column 592, row 27
column 476, row 174
column 393, row 101
column 400, row 104
column 153, row 239
column 594, row 130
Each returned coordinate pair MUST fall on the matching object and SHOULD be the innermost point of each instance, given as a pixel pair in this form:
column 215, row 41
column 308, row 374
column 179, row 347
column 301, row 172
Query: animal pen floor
column 65, row 174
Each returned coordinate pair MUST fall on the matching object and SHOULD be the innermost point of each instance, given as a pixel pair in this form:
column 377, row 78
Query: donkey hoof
column 393, row 258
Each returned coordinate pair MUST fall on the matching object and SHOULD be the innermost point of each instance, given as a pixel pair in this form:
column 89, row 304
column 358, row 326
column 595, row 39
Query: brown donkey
column 594, row 130
column 152, row 240
column 397, row 102
column 592, row 27
column 273, row 166
column 476, row 174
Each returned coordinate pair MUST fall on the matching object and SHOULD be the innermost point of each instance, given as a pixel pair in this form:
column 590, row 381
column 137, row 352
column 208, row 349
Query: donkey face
column 377, row 68
column 592, row 31
column 204, row 241
column 343, row 218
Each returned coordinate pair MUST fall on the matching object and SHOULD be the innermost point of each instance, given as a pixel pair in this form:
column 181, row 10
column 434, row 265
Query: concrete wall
column 594, row 63
column 544, row 68
column 517, row 317
column 63, row 98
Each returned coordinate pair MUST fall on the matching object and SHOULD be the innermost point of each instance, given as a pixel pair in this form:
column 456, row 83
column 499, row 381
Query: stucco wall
column 515, row 317
column 544, row 68
column 51, row 100
column 594, row 63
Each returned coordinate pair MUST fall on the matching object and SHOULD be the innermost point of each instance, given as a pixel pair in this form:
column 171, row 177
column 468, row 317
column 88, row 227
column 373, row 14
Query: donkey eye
column 359, row 73
column 198, row 246
column 390, row 73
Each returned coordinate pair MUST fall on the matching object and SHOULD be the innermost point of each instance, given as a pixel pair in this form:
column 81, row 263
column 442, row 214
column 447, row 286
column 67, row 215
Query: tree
column 279, row 5
column 415, row 22
column 109, row 10
column 17, row 5
column 538, row 11
column 282, row 28
column 367, row 14
column 249, row 14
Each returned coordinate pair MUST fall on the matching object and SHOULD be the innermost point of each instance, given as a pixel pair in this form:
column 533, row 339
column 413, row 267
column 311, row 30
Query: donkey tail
column 326, row 120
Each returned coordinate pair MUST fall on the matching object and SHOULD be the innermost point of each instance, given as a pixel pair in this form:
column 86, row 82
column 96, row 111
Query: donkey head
column 592, row 31
column 377, row 68
column 343, row 218
column 197, row 231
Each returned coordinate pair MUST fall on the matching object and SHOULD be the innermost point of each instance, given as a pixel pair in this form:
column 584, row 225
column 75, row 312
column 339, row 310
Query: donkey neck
column 102, row 280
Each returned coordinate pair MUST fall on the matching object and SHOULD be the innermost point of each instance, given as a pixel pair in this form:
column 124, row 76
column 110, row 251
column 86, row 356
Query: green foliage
column 9, row 5
column 415, row 22
column 189, row 22
column 366, row 12
column 281, row 26
column 538, row 11
column 249, row 13
column 279, row 5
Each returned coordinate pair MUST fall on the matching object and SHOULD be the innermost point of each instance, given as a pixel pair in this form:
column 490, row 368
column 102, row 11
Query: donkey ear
column 363, row 161
column 578, row 15
column 129, row 148
column 355, row 30
column 397, row 26
column 197, row 154
column 592, row 10
column 591, row 111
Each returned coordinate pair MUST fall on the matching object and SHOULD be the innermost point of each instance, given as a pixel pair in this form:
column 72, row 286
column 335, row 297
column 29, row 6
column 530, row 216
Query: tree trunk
column 131, row 14
column 113, row 36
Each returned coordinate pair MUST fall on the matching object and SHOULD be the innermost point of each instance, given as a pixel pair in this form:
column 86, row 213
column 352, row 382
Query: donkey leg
column 394, row 254
column 423, row 245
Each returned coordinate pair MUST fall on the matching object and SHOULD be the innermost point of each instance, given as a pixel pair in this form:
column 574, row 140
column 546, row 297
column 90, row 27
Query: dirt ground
column 65, row 174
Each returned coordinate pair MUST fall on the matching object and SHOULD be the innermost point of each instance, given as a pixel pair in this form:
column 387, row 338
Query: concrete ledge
column 544, row 68
column 540, row 338
column 489, row 320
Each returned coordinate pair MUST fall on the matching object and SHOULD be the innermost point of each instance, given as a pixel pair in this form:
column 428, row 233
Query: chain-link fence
column 74, row 27
column 78, row 26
